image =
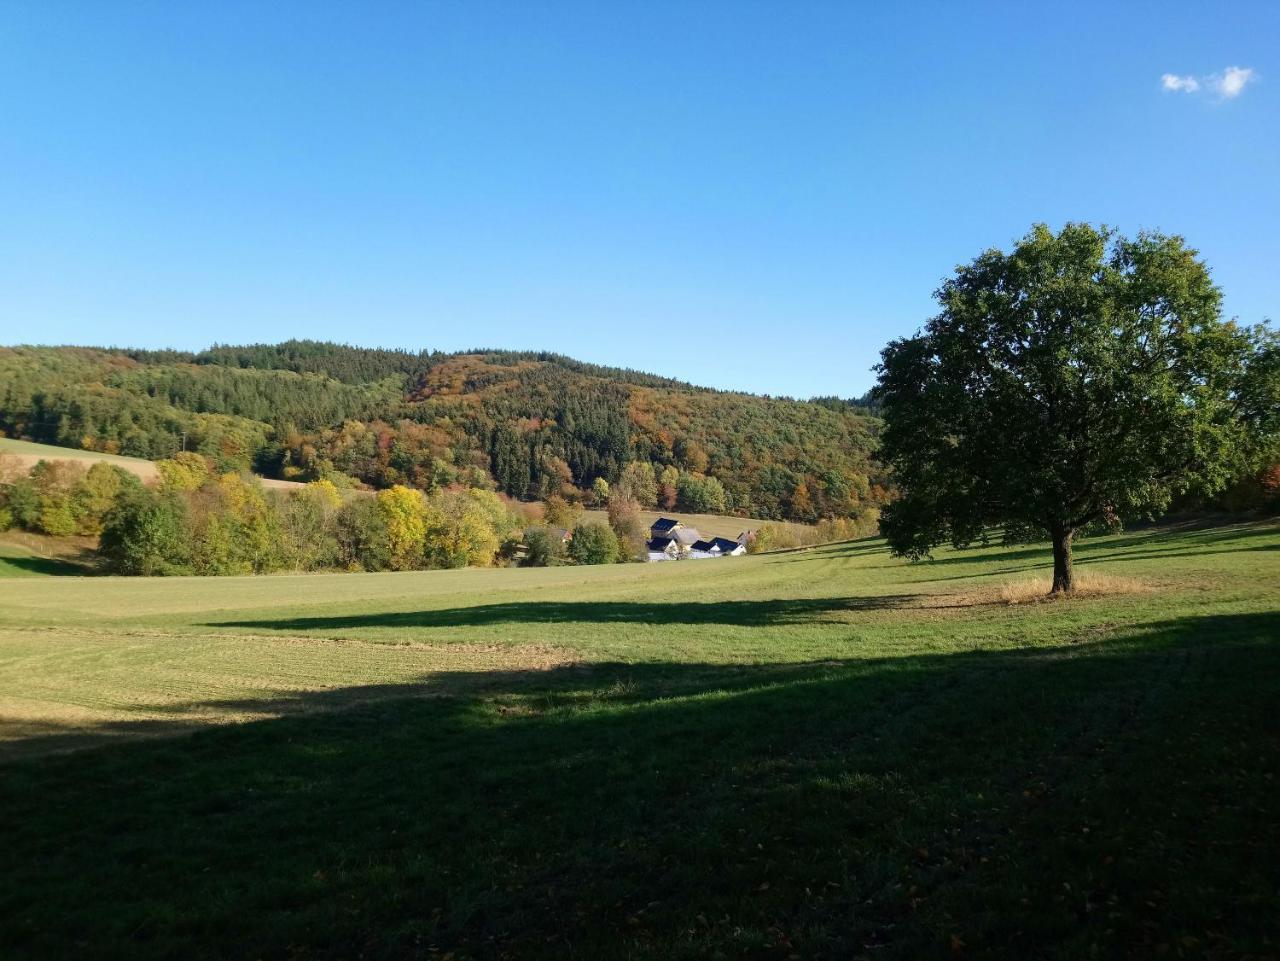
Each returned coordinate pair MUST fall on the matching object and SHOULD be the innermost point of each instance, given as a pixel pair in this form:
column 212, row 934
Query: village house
column 670, row 540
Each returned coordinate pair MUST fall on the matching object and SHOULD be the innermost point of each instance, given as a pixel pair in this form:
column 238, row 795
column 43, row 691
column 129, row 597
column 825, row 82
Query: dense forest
column 529, row 425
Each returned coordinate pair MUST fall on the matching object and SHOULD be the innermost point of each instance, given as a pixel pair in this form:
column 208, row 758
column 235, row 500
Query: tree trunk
column 1063, row 578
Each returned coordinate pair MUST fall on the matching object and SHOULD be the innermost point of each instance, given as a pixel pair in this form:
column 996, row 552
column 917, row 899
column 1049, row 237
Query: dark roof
column 702, row 545
column 664, row 524
column 725, row 544
column 660, row 544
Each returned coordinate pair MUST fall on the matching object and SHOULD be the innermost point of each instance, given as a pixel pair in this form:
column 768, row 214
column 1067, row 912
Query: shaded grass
column 821, row 756
column 20, row 556
column 28, row 565
column 1057, row 802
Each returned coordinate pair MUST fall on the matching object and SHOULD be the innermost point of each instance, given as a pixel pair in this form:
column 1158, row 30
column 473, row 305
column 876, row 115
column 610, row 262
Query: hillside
column 529, row 424
column 794, row 755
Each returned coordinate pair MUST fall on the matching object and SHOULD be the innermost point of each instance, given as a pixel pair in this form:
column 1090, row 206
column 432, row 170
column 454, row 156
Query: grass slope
column 28, row 454
column 822, row 754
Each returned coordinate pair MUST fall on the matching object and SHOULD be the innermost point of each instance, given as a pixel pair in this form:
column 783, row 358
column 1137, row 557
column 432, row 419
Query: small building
column 663, row 549
column 686, row 537
column 671, row 540
column 727, row 548
column 664, row 527
column 558, row 533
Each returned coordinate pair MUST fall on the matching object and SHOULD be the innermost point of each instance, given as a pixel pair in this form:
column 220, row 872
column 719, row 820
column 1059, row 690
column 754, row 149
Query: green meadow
column 828, row 753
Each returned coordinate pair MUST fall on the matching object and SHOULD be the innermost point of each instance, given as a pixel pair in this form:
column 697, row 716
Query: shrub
column 23, row 501
column 97, row 492
column 561, row 513
column 57, row 519
column 594, row 544
column 362, row 536
column 147, row 533
column 185, row 471
column 543, row 548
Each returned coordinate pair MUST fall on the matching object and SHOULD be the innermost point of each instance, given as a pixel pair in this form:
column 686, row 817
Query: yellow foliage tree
column 185, row 471
column 405, row 512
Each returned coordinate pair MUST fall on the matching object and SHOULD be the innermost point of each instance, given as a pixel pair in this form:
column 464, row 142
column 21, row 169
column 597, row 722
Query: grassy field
column 27, row 454
column 823, row 754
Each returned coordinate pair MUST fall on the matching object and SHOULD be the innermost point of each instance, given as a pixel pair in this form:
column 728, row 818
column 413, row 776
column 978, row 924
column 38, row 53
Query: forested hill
column 531, row 424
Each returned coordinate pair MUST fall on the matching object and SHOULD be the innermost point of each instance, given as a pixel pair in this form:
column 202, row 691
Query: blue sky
column 750, row 195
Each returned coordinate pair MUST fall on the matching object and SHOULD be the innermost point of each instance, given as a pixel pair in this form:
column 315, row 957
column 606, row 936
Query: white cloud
column 1227, row 85
column 1173, row 83
column 1231, row 82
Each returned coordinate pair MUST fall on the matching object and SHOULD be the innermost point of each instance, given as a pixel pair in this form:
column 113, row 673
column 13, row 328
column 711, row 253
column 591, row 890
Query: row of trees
column 61, row 498
column 197, row 520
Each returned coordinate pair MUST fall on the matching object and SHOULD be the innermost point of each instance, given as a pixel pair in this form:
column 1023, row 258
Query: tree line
column 198, row 520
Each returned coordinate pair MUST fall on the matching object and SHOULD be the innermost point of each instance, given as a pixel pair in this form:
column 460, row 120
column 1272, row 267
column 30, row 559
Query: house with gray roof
column 669, row 539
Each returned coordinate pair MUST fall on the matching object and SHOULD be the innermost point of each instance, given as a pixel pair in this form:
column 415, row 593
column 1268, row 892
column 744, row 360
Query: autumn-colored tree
column 668, row 492
column 404, row 511
column 625, row 521
column 467, row 528
column 185, row 471
column 561, row 513
column 801, row 502
column 97, row 493
column 640, row 482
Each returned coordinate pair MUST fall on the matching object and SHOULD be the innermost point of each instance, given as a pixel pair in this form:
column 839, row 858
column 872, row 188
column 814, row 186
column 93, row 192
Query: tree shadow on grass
column 1098, row 799
column 1203, row 543
column 731, row 613
column 45, row 567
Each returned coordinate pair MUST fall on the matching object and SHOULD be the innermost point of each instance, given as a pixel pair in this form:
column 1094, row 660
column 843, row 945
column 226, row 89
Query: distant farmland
column 27, row 455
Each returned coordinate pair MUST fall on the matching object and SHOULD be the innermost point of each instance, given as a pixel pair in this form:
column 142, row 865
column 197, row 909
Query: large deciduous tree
column 1082, row 377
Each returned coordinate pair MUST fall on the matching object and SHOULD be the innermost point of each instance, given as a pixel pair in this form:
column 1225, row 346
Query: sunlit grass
column 830, row 753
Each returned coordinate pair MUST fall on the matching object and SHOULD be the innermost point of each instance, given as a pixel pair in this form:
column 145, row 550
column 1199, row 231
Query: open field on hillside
column 27, row 454
column 829, row 753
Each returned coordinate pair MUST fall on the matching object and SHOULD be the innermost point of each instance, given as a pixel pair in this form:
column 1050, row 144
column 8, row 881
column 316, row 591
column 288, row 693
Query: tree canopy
column 530, row 425
column 1081, row 378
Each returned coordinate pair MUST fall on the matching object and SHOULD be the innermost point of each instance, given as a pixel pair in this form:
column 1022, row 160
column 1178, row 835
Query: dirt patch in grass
column 1036, row 590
